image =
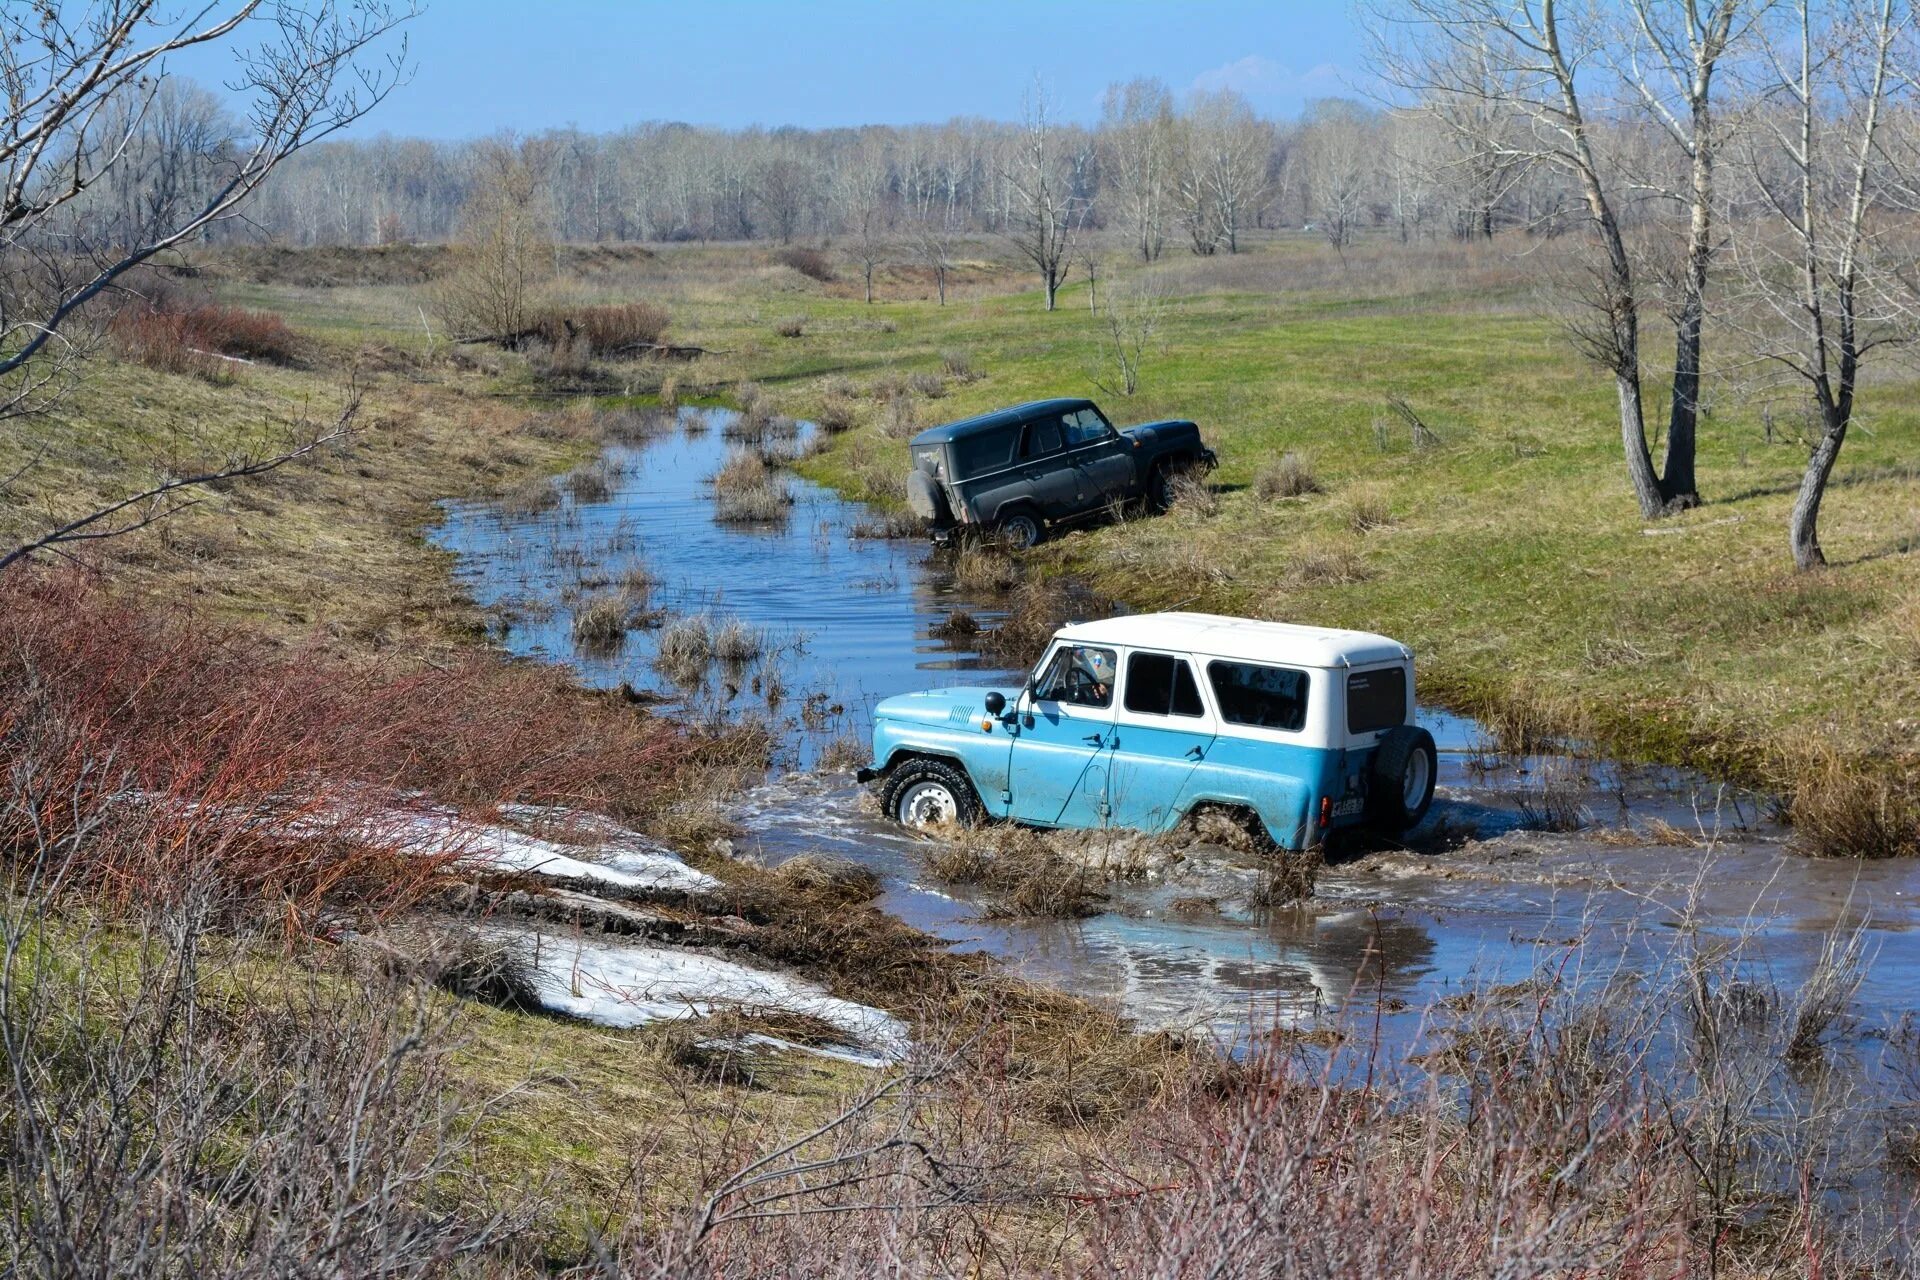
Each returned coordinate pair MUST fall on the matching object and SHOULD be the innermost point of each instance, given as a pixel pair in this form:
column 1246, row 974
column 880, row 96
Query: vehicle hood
column 1158, row 435
column 958, row 706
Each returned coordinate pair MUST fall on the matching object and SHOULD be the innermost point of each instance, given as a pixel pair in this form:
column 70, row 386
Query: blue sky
column 486, row 65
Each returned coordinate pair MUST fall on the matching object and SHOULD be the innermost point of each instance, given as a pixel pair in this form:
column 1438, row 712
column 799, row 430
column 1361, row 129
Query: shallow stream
column 1482, row 897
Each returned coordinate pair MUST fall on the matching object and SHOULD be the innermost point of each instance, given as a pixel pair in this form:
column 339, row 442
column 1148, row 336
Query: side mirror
column 996, row 703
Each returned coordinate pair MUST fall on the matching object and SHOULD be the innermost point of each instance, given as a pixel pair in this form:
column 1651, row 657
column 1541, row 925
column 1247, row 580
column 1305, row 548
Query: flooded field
column 1571, row 865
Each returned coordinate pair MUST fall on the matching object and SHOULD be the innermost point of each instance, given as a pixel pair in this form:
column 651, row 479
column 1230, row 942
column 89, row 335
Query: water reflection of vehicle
column 1137, row 722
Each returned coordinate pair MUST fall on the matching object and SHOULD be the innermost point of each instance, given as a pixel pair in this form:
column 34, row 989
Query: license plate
column 1350, row 807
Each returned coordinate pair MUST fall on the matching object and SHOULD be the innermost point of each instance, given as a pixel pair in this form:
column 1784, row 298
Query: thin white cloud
column 1265, row 82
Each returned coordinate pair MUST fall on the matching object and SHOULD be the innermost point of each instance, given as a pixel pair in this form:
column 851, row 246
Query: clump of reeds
column 530, row 497
column 1367, row 511
column 685, row 650
column 735, row 643
column 746, row 490
column 980, row 566
column 1194, row 497
column 900, row 418
column 591, row 483
column 1287, row 476
column 1021, row 874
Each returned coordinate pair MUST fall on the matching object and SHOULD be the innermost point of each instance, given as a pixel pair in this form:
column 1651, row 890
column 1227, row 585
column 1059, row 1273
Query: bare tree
column 1137, row 143
column 862, row 191
column 933, row 199
column 505, row 249
column 783, row 183
column 1483, row 59
column 1339, row 151
column 1829, row 279
column 80, row 84
column 91, row 116
column 1671, row 70
column 1129, row 321
column 1045, row 214
column 1229, row 146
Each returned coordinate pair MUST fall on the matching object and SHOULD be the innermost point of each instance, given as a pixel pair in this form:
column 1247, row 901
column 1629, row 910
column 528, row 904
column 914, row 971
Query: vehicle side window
column 1159, row 684
column 1079, row 674
column 1042, row 438
column 1376, row 699
column 988, row 451
column 1085, row 426
column 1264, row 697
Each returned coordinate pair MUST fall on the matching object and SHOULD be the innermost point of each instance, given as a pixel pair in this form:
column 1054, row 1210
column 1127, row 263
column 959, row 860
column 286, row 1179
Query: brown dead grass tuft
column 1288, row 476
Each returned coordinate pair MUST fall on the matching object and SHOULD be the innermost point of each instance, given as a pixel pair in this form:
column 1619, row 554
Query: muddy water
column 1486, row 894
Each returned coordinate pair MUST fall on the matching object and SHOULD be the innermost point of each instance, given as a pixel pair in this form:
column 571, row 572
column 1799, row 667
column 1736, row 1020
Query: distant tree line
column 1188, row 175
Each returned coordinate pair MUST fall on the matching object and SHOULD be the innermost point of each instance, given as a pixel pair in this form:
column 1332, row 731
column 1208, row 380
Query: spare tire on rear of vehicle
column 1401, row 786
column 925, row 500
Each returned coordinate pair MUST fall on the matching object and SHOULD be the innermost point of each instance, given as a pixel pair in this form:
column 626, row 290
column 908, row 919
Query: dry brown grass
column 836, row 413
column 1368, row 510
column 1021, row 874
column 748, row 491
column 900, row 418
column 1841, row 806
column 1194, row 498
column 1329, row 563
column 616, row 329
column 981, row 566
column 1287, row 476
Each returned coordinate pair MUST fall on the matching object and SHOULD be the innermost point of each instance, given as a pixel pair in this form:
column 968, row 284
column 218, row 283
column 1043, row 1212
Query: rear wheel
column 1020, row 530
column 1404, row 769
column 926, row 794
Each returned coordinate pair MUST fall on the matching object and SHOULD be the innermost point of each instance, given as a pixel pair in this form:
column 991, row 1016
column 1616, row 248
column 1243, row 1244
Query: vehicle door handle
column 1195, row 752
column 1096, row 739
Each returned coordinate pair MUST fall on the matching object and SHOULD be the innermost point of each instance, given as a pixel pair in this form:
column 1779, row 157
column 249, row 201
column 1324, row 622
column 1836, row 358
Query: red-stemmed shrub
column 192, row 339
column 146, row 750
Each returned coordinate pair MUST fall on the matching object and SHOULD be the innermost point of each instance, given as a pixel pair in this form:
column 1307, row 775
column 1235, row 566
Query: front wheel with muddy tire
column 924, row 794
column 1400, row 790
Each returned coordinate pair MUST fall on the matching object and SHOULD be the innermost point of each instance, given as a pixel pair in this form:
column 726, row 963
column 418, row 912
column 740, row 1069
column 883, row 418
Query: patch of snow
column 627, row 858
column 619, row 984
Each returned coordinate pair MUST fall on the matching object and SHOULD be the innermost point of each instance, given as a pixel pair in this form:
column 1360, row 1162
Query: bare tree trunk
column 1678, row 488
column 1803, row 526
column 1633, row 438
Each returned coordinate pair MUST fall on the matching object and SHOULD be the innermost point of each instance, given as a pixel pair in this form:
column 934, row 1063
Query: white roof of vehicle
column 1243, row 638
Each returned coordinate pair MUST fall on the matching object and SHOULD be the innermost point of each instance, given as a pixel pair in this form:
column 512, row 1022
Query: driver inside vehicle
column 1079, row 674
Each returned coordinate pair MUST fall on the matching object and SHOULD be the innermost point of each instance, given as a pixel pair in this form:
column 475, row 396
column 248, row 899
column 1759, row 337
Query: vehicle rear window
column 1376, row 699
column 1265, row 697
column 988, row 451
column 1159, row 684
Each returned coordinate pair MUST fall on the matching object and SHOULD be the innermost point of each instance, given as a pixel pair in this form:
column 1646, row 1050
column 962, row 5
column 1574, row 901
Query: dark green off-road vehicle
column 1015, row 472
